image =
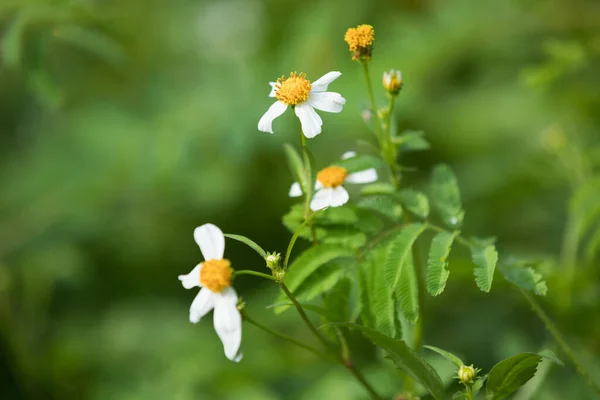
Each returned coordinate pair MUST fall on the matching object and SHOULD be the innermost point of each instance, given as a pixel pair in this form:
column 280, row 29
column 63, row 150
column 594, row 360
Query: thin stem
column 255, row 273
column 308, row 190
column 286, row 338
column 377, row 121
column 346, row 363
column 560, row 340
column 469, row 392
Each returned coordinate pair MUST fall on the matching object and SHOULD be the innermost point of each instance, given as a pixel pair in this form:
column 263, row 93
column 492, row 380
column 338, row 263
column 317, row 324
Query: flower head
column 330, row 192
column 214, row 277
column 466, row 373
column 303, row 96
column 392, row 82
column 360, row 41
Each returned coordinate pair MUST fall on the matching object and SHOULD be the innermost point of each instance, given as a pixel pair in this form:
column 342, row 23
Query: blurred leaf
column 93, row 41
column 549, row 354
column 360, row 163
column 445, row 195
column 520, row 273
column 485, row 259
column 296, row 165
column 416, row 202
column 510, row 374
column 377, row 188
column 11, row 46
column 382, row 205
column 405, row 358
column 437, row 262
column 447, row 355
column 319, row 282
column 248, row 243
column 411, row 140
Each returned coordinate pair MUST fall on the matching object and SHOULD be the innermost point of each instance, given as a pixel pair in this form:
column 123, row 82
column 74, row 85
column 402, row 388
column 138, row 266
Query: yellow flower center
column 293, row 90
column 216, row 275
column 360, row 37
column 332, row 177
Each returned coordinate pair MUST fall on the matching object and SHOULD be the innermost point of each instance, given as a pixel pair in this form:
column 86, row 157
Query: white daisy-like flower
column 214, row 277
column 298, row 93
column 330, row 192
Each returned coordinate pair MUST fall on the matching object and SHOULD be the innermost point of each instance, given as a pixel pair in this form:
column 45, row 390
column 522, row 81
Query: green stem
column 308, row 191
column 469, row 393
column 286, row 338
column 560, row 340
column 346, row 363
column 255, row 273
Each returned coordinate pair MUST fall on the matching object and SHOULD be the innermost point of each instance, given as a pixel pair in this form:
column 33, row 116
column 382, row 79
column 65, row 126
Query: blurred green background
column 125, row 124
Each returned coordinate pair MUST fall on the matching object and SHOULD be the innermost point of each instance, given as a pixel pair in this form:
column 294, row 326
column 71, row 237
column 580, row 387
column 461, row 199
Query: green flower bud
column 273, row 260
column 466, row 373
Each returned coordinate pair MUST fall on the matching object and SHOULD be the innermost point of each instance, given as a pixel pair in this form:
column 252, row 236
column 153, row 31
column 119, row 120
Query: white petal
column 309, row 119
column 366, row 176
column 192, row 279
column 266, row 122
column 320, row 85
column 326, row 101
column 295, row 190
column 228, row 323
column 321, row 199
column 339, row 197
column 348, row 154
column 211, row 241
column 272, row 94
column 202, row 304
column 318, row 185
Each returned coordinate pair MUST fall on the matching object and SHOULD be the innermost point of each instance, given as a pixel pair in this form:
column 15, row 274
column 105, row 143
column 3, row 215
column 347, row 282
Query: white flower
column 297, row 92
column 214, row 277
column 330, row 192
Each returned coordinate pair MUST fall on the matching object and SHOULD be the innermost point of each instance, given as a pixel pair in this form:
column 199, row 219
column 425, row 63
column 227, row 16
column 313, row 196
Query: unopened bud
column 392, row 82
column 466, row 373
column 273, row 260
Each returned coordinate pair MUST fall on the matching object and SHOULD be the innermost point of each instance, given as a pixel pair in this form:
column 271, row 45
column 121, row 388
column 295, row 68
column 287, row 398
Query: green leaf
column 342, row 301
column 510, row 374
column 437, row 264
column 524, row 276
column 310, row 261
column 365, row 292
column 360, row 163
column 446, row 196
column 410, row 140
column 11, row 46
column 248, row 243
column 400, row 249
column 408, row 290
column 549, row 354
column 377, row 188
column 478, row 385
column 405, row 358
column 296, row 165
column 310, row 307
column 416, row 202
column 319, row 282
column 383, row 305
column 485, row 259
column 447, row 355
column 382, row 205
column 337, row 216
column 92, row 41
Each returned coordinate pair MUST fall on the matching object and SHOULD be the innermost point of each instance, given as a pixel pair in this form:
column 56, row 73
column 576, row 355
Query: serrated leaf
column 377, row 188
column 399, row 250
column 342, row 301
column 485, row 259
column 249, row 243
column 437, row 262
column 319, row 282
column 510, row 374
column 310, row 261
column 408, row 290
column 337, row 216
column 360, row 163
column 295, row 163
column 382, row 205
column 365, row 292
column 525, row 277
column 415, row 202
column 382, row 304
column 310, row 307
column 405, row 358
column 447, row 355
column 446, row 195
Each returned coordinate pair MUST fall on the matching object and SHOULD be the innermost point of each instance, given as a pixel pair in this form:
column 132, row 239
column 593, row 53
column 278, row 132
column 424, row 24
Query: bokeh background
column 125, row 124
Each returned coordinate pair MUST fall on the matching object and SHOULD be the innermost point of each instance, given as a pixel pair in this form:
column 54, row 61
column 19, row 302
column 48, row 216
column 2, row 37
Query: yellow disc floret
column 360, row 41
column 216, row 275
column 332, row 177
column 293, row 90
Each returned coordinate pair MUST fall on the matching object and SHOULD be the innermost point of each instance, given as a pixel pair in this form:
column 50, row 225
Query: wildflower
column 297, row 92
column 330, row 192
column 360, row 42
column 214, row 277
column 392, row 82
